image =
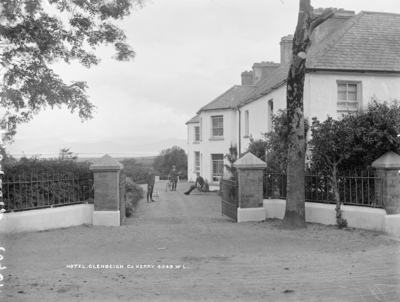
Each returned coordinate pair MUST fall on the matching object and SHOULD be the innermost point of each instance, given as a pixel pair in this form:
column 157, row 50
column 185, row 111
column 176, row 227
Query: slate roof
column 231, row 98
column 369, row 41
column 193, row 120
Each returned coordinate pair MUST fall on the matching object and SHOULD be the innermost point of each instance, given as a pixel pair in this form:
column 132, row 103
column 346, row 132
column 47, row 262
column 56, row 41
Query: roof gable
column 194, row 120
column 230, row 99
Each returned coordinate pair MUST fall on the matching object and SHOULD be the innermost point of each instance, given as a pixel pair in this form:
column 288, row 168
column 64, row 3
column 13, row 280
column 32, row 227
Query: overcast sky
column 187, row 53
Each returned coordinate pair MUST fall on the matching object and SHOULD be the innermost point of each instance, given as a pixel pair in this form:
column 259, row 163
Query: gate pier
column 250, row 185
column 108, row 177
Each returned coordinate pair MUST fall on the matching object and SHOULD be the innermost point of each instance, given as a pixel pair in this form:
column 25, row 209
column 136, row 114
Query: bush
column 35, row 182
column 134, row 193
column 40, row 166
column 135, row 170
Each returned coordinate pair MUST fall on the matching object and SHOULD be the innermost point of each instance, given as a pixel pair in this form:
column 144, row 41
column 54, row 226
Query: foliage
column 37, row 165
column 65, row 154
column 172, row 156
column 34, row 35
column 134, row 193
column 354, row 141
column 135, row 170
column 232, row 156
column 330, row 145
column 374, row 129
column 272, row 147
column 43, row 190
column 358, row 139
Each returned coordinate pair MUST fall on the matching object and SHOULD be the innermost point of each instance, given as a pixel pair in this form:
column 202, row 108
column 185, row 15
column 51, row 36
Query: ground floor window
column 217, row 166
column 197, row 161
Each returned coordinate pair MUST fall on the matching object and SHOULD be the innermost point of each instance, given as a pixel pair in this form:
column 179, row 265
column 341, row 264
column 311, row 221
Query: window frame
column 217, row 128
column 196, row 134
column 197, row 160
column 215, row 176
column 347, row 103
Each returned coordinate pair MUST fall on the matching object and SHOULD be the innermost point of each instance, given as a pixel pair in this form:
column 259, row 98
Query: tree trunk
column 295, row 198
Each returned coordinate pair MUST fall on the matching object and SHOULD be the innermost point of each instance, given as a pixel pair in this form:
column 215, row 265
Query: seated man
column 199, row 183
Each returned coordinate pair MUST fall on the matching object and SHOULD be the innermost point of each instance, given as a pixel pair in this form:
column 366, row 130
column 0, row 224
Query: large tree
column 36, row 33
column 295, row 201
column 172, row 156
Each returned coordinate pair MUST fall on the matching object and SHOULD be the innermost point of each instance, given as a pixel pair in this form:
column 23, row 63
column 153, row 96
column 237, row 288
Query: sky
column 188, row 52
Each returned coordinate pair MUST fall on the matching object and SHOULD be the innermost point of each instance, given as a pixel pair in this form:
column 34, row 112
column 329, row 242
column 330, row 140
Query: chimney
column 247, row 78
column 331, row 25
column 263, row 69
column 286, row 49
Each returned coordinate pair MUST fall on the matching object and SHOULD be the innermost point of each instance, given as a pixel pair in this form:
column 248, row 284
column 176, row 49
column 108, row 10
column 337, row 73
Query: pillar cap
column 389, row 160
column 249, row 161
column 106, row 163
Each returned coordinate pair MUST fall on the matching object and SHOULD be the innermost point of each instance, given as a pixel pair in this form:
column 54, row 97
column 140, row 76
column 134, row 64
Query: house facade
column 353, row 58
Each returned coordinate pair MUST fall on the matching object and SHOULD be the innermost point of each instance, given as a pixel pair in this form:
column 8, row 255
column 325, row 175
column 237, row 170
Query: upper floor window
column 349, row 96
column 201, row 128
column 246, row 123
column 217, row 125
column 197, row 133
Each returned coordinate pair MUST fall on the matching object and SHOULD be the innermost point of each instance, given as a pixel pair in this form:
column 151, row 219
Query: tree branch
column 328, row 13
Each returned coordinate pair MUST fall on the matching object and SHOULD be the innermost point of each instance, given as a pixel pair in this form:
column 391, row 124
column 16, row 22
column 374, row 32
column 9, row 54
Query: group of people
column 173, row 178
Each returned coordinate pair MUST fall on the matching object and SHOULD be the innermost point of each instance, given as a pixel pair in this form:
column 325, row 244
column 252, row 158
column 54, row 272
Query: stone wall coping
column 106, row 163
column 389, row 160
column 249, row 161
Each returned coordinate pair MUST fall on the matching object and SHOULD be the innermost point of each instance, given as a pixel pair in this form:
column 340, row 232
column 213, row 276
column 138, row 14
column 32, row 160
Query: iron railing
column 27, row 192
column 359, row 188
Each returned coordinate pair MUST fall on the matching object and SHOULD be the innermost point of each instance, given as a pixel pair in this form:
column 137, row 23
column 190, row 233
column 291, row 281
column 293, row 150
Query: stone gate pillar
column 106, row 173
column 388, row 168
column 250, row 182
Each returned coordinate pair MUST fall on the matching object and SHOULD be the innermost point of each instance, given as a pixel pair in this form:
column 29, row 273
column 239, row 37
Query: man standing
column 173, row 177
column 199, row 183
column 150, row 179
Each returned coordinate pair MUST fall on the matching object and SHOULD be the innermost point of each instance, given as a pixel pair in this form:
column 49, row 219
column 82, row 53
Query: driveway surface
column 180, row 248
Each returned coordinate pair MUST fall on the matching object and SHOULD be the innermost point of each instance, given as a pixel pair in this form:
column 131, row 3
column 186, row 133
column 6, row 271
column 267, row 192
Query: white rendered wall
column 45, row 219
column 357, row 217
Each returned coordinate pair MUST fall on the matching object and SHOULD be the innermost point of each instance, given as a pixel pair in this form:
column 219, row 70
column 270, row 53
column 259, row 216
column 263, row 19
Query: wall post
column 106, row 174
column 388, row 168
column 250, row 182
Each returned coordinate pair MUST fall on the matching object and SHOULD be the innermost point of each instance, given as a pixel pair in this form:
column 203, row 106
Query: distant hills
column 120, row 147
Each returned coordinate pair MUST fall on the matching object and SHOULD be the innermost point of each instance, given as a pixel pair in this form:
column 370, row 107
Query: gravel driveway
column 180, row 248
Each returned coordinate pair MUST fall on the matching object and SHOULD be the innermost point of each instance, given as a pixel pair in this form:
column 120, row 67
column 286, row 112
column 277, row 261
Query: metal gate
column 122, row 197
column 229, row 190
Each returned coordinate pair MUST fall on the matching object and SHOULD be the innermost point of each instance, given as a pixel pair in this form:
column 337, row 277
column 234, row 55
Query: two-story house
column 352, row 59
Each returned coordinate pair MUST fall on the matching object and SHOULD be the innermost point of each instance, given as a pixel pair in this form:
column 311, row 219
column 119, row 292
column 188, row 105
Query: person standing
column 150, row 179
column 198, row 184
column 173, row 177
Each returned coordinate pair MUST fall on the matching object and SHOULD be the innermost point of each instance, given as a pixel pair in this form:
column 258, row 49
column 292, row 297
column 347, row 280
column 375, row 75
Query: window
column 196, row 161
column 217, row 166
column 348, row 97
column 217, row 125
column 196, row 133
column 246, row 123
column 270, row 115
column 201, row 128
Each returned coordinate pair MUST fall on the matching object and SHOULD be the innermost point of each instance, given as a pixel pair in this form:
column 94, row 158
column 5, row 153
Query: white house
column 352, row 59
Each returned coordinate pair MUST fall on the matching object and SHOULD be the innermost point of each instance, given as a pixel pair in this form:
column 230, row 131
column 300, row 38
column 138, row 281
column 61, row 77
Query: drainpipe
column 240, row 136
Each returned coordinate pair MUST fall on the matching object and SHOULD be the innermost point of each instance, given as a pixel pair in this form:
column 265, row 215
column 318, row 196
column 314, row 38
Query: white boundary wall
column 357, row 217
column 45, row 219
